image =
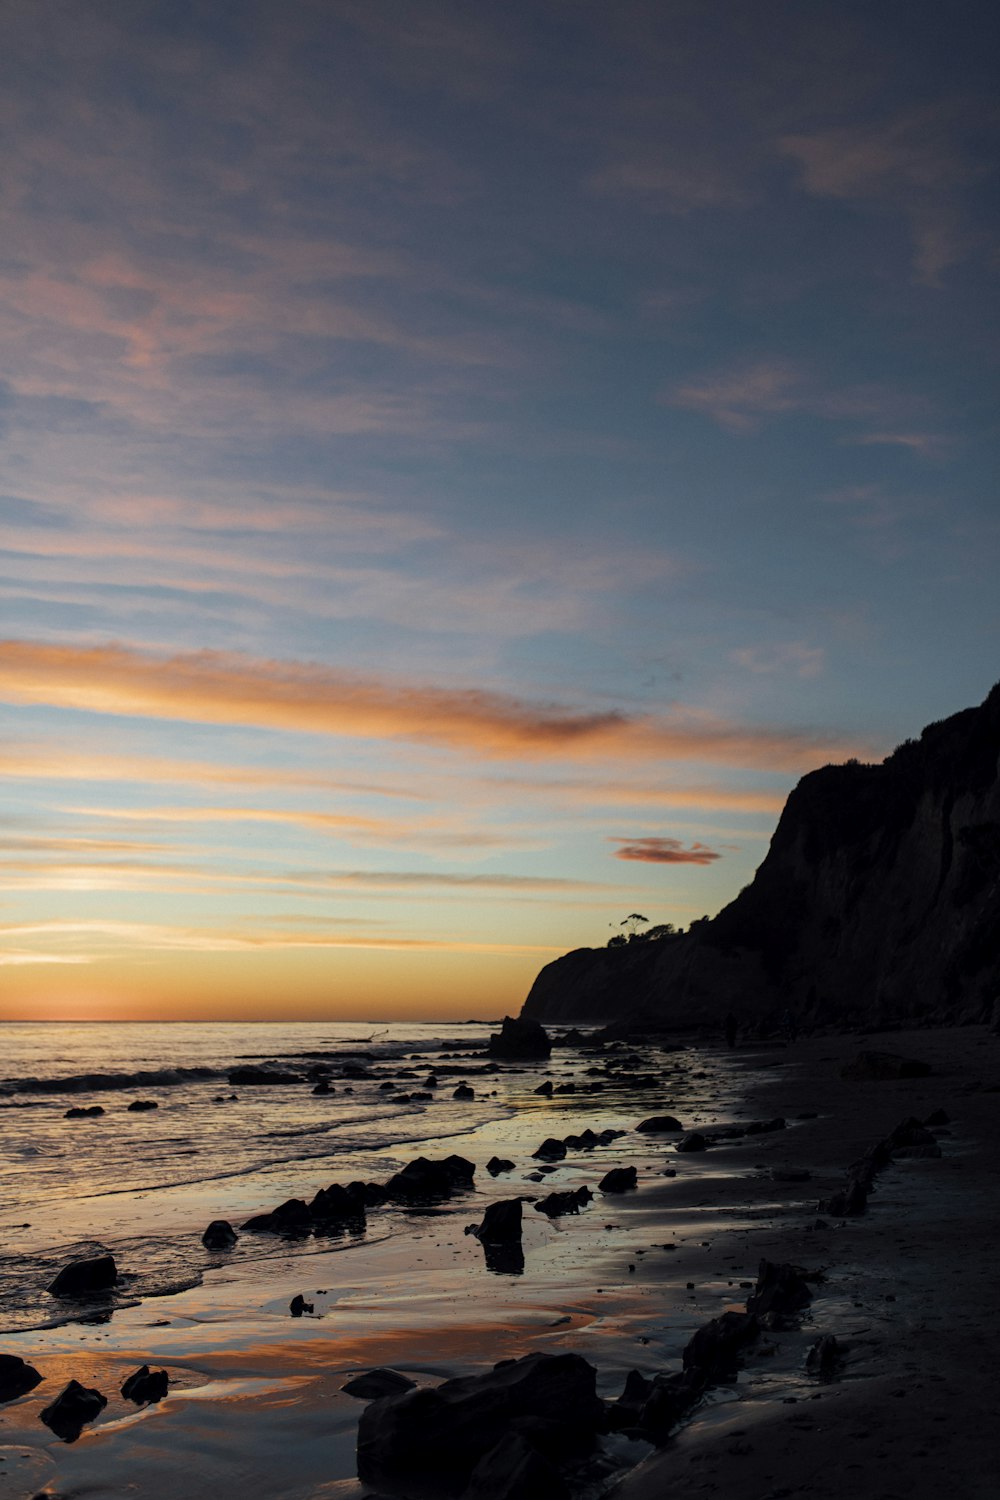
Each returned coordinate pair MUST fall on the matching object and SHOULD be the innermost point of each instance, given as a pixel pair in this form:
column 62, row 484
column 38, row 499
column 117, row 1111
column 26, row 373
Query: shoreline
column 255, row 1398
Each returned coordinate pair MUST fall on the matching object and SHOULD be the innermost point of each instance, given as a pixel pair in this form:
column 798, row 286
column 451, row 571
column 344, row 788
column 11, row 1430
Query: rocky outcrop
column 876, row 904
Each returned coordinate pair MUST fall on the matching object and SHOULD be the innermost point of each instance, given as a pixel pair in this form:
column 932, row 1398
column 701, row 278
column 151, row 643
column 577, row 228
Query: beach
column 255, row 1399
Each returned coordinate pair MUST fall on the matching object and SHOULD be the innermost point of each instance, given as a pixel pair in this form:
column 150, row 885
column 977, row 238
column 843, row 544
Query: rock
column 850, row 1203
column 83, row 1112
column 324, row 1087
column 220, row 1235
column 515, row 1470
column 550, row 1150
column 378, row 1383
column 82, row 1278
column 427, row 1443
column 519, row 1040
column 501, row 1223
column 299, row 1305
column 658, row 1124
column 565, row 1088
column 939, row 1117
column 878, row 1066
column 248, row 1074
column 715, row 1347
column 618, row 1180
column 498, row 1164
column 545, row 1088
column 422, row 1178
column 557, row 1204
column 146, row 1386
column 910, row 1133
column 337, row 1204
column 140, row 1106
column 290, row 1217
column 669, row 1401
column 463, row 1092
column 17, row 1377
column 764, row 1127
column 70, row 1411
column 824, row 1357
column 780, row 1290
column 693, row 1141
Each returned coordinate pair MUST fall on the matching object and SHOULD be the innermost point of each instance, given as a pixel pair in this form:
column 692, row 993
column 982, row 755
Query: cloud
column 792, row 658
column 664, row 851
column 738, row 398
column 226, row 688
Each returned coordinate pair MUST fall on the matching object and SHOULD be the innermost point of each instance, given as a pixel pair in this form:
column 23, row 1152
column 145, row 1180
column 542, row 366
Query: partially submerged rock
column 17, row 1377
column 824, row 1357
column 145, row 1386
column 299, row 1305
column 141, row 1106
column 618, row 1180
column 422, row 1178
column 72, row 1410
column 714, row 1348
column 501, row 1223
column 82, row 1278
column 498, row 1164
column 428, row 1443
column 557, row 1204
column 693, row 1141
column 551, row 1149
column 378, row 1383
column 659, row 1124
column 84, row 1112
column 780, row 1291
column 220, row 1235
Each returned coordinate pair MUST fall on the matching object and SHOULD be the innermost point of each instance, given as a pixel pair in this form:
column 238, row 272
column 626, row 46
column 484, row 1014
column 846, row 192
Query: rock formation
column 877, row 903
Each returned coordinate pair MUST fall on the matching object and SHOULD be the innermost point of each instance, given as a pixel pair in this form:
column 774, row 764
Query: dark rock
column 824, row 1357
column 145, row 1386
column 299, row 1305
column 565, row 1088
column 618, row 1180
column 324, row 1087
column 519, row 1040
column 463, row 1092
column 780, row 1290
column 248, row 1074
column 337, row 1204
column 910, row 1133
column 606, row 1136
column 84, row 1112
column 515, row 1470
column 714, row 1348
column 501, row 1223
column 291, row 1217
column 140, row 1106
column 368, row 1194
column 422, row 1178
column 939, row 1117
column 550, row 1150
column 17, row 1377
column 668, row 1402
column 879, row 1066
column 545, row 1088
column 557, row 1204
column 82, row 1278
column 693, row 1141
column 69, row 1412
column 427, row 1443
column 498, row 1164
column 378, row 1383
column 658, row 1124
column 764, row 1127
column 220, row 1235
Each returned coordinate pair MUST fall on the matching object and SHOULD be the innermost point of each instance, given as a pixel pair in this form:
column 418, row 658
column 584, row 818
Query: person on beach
column 730, row 1025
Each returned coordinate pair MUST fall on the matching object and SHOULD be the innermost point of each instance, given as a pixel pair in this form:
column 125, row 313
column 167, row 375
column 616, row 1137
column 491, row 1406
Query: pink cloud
column 664, row 851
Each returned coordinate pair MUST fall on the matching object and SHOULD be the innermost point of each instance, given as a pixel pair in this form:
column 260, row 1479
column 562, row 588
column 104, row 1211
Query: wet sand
column 255, row 1400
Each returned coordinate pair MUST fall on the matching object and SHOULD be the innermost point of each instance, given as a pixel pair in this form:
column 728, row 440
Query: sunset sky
column 463, row 462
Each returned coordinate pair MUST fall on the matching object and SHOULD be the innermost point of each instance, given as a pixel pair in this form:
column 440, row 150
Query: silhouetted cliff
column 878, row 901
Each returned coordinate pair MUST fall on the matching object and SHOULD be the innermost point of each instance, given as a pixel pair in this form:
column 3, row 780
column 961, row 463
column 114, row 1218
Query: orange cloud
column 662, row 851
column 226, row 688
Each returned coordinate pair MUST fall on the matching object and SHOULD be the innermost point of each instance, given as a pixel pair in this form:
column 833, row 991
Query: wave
column 85, row 1083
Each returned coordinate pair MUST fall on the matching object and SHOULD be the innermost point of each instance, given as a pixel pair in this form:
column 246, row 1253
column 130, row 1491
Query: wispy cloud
column 791, row 658
column 664, row 851
column 223, row 688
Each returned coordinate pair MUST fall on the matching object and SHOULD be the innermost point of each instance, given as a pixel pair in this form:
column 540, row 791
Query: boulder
column 557, row 1204
column 519, row 1040
column 693, row 1141
column 82, row 1278
column 337, row 1204
column 545, row 1088
column 70, row 1411
column 780, row 1290
column 427, row 1443
column 714, row 1349
column 84, row 1112
column 668, row 1402
column 879, row 1066
column 618, row 1180
column 299, row 1305
column 550, row 1150
column 658, row 1124
column 247, row 1074
column 501, row 1223
column 463, row 1092
column 324, row 1087
column 17, row 1377
column 824, row 1357
column 498, row 1164
column 146, row 1386
column 140, row 1106
column 422, row 1178
column 220, row 1235
column 378, row 1383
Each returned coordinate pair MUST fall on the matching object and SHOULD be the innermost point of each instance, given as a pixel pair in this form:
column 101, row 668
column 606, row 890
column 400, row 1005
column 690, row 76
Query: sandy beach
column 255, row 1401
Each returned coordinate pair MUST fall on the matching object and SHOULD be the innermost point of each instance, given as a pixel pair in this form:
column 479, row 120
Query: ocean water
column 144, row 1185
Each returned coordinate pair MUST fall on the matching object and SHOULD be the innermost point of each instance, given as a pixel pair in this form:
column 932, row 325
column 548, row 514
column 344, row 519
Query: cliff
column 878, row 902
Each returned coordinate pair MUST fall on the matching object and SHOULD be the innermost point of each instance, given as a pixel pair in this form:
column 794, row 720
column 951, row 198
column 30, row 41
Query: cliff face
column 878, row 901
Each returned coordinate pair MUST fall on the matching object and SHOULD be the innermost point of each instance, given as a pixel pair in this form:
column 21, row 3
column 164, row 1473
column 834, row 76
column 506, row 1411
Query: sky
column 462, row 464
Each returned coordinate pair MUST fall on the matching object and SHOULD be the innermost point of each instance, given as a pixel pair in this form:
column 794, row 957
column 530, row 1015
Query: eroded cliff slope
column 878, row 901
